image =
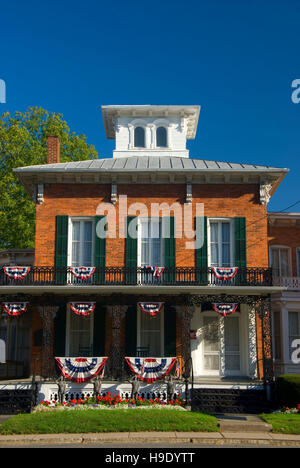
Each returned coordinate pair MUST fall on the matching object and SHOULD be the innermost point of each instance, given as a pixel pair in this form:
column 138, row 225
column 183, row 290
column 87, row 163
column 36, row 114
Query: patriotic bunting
column 15, row 308
column 83, row 308
column 150, row 369
column 151, row 308
column 224, row 273
column 82, row 273
column 225, row 309
column 81, row 369
column 16, row 272
column 157, row 271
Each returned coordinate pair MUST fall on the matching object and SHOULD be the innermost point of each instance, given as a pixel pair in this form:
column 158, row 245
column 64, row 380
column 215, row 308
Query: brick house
column 195, row 296
column 284, row 252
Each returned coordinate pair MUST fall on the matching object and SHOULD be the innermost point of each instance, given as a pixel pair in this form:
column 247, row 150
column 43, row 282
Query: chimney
column 53, row 149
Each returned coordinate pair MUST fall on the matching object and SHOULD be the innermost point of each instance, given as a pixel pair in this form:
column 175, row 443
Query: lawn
column 283, row 423
column 118, row 420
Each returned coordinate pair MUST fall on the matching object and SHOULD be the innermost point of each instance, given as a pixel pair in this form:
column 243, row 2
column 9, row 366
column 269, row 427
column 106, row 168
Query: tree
column 23, row 142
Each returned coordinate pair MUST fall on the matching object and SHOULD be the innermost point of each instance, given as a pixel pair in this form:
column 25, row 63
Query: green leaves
column 23, row 142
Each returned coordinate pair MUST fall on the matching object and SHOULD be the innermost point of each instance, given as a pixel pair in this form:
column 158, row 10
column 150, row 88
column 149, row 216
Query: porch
column 213, row 357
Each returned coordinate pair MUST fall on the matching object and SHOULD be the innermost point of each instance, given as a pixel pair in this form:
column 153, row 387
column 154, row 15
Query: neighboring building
column 284, row 251
column 150, row 167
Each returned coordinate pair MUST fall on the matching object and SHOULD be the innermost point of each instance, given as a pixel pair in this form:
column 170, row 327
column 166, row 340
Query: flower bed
column 111, row 401
column 287, row 410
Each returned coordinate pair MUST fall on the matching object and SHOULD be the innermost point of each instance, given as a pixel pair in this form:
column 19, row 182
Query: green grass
column 85, row 421
column 283, row 423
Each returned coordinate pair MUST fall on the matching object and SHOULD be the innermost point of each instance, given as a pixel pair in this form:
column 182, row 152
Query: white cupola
column 147, row 130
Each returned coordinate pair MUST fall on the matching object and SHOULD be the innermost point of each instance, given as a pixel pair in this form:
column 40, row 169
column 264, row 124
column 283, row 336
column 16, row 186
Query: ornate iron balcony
column 110, row 276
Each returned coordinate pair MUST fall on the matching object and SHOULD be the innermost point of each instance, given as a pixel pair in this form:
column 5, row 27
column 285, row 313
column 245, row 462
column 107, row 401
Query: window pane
column 161, row 137
column 284, row 263
column 150, row 333
column 226, row 232
column 87, row 231
column 139, row 137
column 80, row 335
column 76, row 231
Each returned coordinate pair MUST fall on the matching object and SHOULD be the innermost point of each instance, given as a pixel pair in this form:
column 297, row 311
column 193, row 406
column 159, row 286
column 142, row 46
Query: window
column 298, row 260
column 150, row 333
column 80, row 334
column 81, row 249
column 161, row 137
column 151, row 242
column 221, row 250
column 294, row 329
column 280, row 261
column 139, row 137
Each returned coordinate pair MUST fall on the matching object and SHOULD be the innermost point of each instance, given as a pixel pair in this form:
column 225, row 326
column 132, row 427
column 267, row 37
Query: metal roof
column 146, row 163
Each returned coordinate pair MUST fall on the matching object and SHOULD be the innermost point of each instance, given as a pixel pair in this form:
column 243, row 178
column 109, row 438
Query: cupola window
column 139, row 137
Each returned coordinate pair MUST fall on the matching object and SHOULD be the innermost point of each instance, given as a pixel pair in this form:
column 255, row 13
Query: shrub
column 288, row 390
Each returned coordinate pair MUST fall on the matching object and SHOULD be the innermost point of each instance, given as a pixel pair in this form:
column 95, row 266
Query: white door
column 216, row 345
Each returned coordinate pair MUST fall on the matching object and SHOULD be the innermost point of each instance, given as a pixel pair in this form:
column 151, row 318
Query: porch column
column 185, row 313
column 47, row 314
column 252, row 361
column 117, row 350
column 264, row 312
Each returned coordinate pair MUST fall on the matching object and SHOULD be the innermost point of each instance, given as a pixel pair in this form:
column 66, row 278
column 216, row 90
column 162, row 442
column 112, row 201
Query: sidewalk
column 144, row 438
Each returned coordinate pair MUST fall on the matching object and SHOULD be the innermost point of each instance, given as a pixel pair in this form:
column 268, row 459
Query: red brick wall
column 232, row 200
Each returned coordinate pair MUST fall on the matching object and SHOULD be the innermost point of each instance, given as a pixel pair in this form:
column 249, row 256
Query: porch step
column 15, row 401
column 247, row 423
column 244, row 401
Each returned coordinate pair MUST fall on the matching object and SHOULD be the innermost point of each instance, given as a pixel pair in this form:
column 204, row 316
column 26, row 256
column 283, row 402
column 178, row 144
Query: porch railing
column 115, row 276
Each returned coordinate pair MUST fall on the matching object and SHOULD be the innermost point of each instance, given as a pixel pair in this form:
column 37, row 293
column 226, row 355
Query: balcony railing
column 290, row 282
column 115, row 276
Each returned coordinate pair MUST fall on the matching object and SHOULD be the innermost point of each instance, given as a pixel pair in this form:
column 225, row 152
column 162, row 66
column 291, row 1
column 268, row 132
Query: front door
column 216, row 344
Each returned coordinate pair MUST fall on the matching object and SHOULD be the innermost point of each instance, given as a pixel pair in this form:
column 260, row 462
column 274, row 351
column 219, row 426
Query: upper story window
column 161, row 137
column 151, row 252
column 139, row 137
column 280, row 261
column 81, row 242
column 221, row 243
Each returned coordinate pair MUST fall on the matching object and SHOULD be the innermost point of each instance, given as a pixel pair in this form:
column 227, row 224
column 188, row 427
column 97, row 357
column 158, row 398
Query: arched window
column 161, row 137
column 139, row 137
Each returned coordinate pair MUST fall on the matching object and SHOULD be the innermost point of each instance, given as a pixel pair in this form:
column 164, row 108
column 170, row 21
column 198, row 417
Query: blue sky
column 237, row 59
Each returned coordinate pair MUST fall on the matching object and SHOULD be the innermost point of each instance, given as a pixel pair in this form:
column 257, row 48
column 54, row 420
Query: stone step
column 243, row 423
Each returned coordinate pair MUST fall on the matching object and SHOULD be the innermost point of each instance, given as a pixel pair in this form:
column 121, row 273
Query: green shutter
column 131, row 330
column 240, row 242
column 99, row 253
column 170, row 251
column 240, row 259
column 201, row 252
column 131, row 255
column 99, row 330
column 59, row 346
column 169, row 331
column 61, row 248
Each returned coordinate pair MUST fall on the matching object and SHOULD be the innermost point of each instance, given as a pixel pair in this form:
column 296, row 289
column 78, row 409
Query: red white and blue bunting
column 224, row 273
column 150, row 369
column 83, row 272
column 157, row 271
column 151, row 308
column 225, row 309
column 81, row 369
column 83, row 308
column 15, row 308
column 17, row 272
